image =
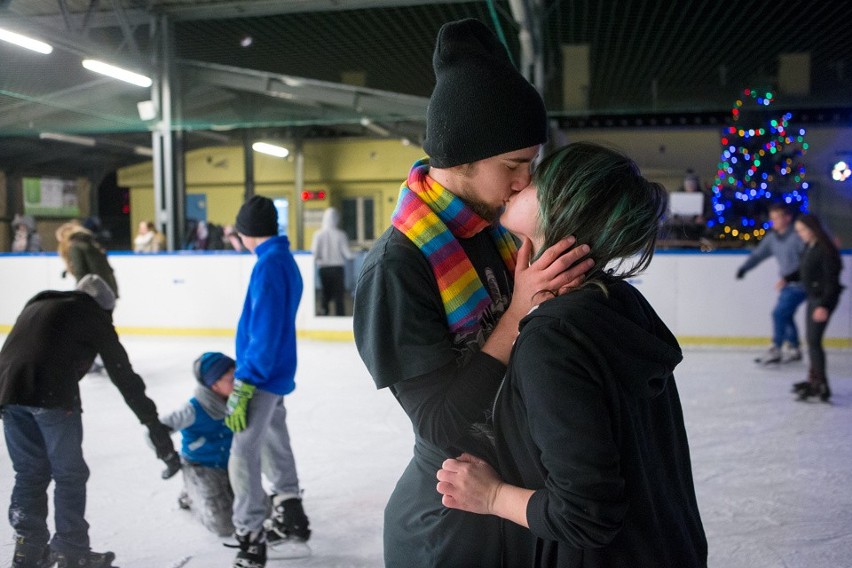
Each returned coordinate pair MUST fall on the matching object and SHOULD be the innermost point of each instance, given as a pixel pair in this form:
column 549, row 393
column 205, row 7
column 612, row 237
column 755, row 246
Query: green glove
column 237, row 405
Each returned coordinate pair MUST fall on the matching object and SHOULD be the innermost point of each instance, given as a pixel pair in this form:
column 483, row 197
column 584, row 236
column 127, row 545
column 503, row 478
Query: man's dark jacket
column 52, row 346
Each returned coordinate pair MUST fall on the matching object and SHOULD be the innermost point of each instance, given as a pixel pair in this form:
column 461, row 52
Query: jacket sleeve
column 795, row 276
column 583, row 502
column 399, row 323
column 121, row 373
column 181, row 418
column 761, row 252
column 77, row 262
column 830, row 285
column 266, row 333
column 444, row 405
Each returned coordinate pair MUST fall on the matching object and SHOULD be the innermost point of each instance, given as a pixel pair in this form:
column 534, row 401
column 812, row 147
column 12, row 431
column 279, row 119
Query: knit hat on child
column 210, row 367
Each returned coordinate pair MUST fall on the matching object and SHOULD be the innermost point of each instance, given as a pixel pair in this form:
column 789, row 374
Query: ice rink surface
column 773, row 476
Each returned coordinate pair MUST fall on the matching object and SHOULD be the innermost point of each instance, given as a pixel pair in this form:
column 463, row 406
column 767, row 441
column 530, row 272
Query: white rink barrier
column 201, row 294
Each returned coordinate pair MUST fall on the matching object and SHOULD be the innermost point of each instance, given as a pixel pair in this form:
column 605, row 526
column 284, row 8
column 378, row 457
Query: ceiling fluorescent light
column 143, row 151
column 270, row 149
column 80, row 140
column 117, row 72
column 24, row 41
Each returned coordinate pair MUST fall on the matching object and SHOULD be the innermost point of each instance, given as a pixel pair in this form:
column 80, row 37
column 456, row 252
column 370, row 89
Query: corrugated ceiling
column 320, row 66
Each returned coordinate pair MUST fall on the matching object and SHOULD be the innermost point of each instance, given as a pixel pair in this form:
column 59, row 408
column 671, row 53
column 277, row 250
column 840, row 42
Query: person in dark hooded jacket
column 47, row 353
column 592, row 450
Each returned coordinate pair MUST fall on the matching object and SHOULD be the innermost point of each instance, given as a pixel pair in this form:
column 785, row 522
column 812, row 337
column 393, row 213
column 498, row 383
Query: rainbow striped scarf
column 433, row 218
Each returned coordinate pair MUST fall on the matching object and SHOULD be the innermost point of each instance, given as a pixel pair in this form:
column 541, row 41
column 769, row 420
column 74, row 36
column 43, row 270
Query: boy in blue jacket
column 206, row 444
column 266, row 369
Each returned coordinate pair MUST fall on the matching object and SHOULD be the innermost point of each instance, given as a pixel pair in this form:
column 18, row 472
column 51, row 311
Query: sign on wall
column 51, row 197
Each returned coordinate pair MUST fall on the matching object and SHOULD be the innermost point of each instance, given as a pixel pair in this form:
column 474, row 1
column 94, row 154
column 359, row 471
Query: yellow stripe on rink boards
column 347, row 335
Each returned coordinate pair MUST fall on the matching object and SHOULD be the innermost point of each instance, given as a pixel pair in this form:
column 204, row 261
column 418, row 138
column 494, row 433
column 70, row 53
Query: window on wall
column 283, row 207
column 358, row 220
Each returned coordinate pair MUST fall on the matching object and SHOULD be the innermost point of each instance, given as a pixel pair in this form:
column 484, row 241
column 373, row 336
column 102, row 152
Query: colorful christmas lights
column 761, row 162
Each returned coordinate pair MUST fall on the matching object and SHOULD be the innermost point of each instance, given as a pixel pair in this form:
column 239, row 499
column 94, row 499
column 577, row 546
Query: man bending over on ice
column 50, row 348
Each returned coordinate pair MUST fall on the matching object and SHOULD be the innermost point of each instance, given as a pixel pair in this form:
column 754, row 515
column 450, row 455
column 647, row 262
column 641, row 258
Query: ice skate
column 772, row 356
column 32, row 556
column 252, row 545
column 790, row 354
column 820, row 390
column 287, row 530
column 86, row 559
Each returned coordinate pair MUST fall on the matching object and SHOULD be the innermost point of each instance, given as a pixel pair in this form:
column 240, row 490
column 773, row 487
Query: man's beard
column 484, row 210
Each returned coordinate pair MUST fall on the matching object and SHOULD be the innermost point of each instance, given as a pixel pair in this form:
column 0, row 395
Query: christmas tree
column 761, row 163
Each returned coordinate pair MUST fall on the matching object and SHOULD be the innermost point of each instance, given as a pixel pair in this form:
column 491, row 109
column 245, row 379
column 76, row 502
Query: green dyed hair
column 597, row 194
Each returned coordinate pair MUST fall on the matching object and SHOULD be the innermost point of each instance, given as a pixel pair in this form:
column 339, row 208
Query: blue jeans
column 783, row 324
column 45, row 444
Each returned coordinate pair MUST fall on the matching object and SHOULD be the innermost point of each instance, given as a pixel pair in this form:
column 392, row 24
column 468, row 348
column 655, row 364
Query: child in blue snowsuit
column 206, row 444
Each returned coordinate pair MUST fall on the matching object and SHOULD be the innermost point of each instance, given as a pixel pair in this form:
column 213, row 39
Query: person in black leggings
column 819, row 272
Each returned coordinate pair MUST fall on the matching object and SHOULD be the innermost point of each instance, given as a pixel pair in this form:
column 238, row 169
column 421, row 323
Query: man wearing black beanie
column 442, row 291
column 265, row 372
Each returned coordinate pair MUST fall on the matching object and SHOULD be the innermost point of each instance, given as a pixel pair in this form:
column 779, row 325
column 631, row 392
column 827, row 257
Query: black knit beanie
column 257, row 218
column 481, row 106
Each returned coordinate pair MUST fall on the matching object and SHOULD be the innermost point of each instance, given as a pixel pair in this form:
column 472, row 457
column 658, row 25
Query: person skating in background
column 148, row 238
column 232, row 239
column 265, row 372
column 819, row 273
column 82, row 254
column 331, row 251
column 442, row 290
column 206, row 443
column 26, row 238
column 50, row 348
column 784, row 244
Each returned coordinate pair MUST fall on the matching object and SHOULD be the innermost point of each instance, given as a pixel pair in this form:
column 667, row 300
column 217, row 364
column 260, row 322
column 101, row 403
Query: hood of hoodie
column 620, row 330
column 330, row 218
column 26, row 220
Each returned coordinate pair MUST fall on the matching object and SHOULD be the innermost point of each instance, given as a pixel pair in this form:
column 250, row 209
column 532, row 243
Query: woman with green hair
column 593, row 458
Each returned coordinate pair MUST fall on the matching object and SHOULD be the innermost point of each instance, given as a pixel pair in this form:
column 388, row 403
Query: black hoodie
column 589, row 417
column 51, row 347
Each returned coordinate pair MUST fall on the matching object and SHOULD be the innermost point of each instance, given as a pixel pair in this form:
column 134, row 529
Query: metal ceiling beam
column 253, row 8
column 355, row 101
column 210, row 11
column 78, row 99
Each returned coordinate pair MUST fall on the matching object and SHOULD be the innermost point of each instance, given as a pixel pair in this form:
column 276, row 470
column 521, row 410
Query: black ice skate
column 28, row 555
column 85, row 560
column 252, row 545
column 287, row 530
column 820, row 390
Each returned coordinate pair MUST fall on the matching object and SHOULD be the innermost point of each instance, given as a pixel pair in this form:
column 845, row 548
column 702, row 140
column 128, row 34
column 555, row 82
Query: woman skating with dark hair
column 819, row 272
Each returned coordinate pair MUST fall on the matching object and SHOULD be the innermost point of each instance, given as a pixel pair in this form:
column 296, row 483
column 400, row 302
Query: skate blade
column 287, row 549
